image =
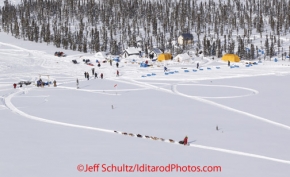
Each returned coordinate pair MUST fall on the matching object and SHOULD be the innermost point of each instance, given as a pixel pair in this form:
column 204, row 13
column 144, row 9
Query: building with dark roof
column 185, row 38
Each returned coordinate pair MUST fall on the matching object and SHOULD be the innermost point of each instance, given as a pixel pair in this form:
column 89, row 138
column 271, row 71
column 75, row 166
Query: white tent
column 101, row 55
column 182, row 57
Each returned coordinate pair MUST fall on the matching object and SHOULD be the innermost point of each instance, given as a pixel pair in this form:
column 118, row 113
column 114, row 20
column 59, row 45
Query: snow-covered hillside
column 235, row 118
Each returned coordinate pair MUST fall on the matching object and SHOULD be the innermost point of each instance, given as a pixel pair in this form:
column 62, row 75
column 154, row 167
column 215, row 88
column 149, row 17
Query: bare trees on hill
column 111, row 25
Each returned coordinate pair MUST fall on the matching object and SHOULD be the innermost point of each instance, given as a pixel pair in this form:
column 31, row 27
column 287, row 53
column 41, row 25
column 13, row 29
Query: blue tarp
column 117, row 59
column 143, row 65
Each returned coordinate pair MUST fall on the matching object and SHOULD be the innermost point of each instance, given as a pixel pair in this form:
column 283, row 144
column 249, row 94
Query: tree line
column 112, row 25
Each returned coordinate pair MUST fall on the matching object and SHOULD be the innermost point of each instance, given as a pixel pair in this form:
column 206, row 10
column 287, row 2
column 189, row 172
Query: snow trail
column 200, row 99
column 9, row 105
column 242, row 88
column 231, row 109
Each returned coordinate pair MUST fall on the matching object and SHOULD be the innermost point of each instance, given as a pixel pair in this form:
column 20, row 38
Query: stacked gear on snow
column 59, row 54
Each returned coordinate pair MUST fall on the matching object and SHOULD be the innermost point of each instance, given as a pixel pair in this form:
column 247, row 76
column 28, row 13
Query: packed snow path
column 9, row 104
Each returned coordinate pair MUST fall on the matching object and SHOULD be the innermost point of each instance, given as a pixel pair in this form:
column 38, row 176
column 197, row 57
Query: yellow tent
column 164, row 56
column 231, row 58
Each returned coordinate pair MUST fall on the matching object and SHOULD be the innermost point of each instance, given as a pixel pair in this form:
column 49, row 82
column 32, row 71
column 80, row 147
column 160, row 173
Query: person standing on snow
column 197, row 65
column 88, row 76
column 165, row 69
column 117, row 64
column 85, row 74
column 111, row 62
column 77, row 83
column 102, row 75
column 96, row 75
column 229, row 63
column 117, row 73
column 185, row 140
column 14, row 85
column 93, row 71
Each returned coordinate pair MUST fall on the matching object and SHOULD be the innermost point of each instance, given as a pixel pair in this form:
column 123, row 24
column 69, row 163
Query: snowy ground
column 50, row 131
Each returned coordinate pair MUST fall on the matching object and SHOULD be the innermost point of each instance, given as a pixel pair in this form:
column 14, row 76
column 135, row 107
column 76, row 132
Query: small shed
column 131, row 51
column 185, row 38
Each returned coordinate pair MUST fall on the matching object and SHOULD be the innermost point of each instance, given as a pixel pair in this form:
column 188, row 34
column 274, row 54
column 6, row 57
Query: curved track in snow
column 231, row 109
column 227, row 86
column 9, row 105
column 175, row 91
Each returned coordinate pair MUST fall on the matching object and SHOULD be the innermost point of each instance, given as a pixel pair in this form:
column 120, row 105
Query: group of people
column 111, row 63
column 95, row 74
column 87, row 75
column 41, row 83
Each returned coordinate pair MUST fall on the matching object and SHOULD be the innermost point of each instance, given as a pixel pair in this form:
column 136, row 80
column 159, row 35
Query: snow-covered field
column 50, row 131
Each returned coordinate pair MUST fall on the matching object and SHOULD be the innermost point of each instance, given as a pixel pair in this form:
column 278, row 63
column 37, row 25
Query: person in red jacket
column 185, row 140
column 14, row 85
